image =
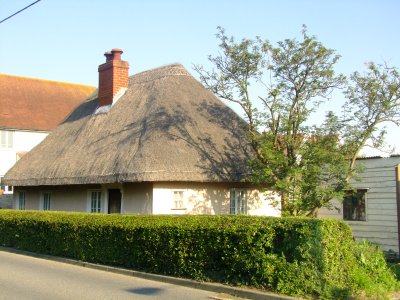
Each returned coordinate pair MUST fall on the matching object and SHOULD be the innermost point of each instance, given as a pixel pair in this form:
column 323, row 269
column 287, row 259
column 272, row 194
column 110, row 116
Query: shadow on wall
column 266, row 200
column 217, row 201
column 211, row 201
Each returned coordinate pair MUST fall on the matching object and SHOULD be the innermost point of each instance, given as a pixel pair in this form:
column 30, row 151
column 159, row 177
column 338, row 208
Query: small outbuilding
column 372, row 209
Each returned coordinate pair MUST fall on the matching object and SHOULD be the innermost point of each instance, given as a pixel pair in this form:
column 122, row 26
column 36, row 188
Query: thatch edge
column 128, row 178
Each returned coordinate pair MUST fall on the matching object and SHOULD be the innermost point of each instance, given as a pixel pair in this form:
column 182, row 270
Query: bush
column 395, row 267
column 294, row 256
column 371, row 273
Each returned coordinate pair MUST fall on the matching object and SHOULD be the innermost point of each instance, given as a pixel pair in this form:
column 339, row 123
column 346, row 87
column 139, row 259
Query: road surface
column 25, row 277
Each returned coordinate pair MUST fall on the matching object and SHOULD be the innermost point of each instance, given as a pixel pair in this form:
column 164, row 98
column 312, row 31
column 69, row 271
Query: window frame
column 345, row 207
column 6, row 189
column 6, row 139
column 97, row 208
column 238, row 201
column 21, row 204
column 45, row 204
column 180, row 204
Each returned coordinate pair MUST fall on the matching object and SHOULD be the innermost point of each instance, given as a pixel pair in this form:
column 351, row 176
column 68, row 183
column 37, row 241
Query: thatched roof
column 37, row 104
column 166, row 127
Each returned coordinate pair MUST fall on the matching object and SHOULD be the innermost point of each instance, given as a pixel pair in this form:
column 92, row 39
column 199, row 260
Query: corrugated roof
column 166, row 127
column 36, row 104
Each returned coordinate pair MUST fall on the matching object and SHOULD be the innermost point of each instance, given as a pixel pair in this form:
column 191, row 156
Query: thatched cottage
column 157, row 142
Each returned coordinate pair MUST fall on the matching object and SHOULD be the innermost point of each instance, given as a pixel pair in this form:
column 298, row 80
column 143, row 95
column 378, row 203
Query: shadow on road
column 145, row 291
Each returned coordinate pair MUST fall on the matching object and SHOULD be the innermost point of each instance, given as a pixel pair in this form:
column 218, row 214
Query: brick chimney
column 113, row 77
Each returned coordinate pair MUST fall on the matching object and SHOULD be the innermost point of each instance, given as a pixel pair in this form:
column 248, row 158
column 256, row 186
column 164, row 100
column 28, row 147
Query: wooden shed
column 372, row 210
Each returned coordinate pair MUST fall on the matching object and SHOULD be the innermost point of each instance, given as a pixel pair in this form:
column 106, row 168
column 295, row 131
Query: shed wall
column 381, row 225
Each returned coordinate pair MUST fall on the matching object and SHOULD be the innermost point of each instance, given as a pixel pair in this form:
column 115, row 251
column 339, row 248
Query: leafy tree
column 307, row 165
column 373, row 99
column 293, row 158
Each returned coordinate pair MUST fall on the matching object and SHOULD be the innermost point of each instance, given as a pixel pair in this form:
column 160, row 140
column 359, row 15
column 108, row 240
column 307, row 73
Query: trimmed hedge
column 294, row 256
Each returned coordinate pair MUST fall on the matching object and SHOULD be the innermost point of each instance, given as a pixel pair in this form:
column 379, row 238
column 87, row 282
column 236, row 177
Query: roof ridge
column 48, row 80
column 175, row 69
column 378, row 157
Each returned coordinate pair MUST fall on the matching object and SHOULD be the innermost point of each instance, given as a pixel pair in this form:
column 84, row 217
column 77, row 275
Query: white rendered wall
column 210, row 198
column 23, row 141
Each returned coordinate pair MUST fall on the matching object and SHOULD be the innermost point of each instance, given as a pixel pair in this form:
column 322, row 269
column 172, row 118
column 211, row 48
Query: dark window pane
column 354, row 206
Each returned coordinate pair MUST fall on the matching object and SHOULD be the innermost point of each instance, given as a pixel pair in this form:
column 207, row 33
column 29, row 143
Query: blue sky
column 65, row 40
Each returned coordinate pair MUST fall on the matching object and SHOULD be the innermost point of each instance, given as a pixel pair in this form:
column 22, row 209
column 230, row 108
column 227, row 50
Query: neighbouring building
column 29, row 110
column 157, row 142
column 372, row 210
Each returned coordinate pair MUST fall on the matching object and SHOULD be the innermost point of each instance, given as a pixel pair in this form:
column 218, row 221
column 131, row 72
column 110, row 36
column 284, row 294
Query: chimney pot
column 117, row 52
column 109, row 56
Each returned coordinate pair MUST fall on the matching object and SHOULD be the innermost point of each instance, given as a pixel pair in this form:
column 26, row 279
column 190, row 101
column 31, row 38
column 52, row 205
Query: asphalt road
column 25, row 277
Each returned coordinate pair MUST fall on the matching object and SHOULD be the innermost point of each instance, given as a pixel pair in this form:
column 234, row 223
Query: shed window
column 354, row 205
column 238, row 201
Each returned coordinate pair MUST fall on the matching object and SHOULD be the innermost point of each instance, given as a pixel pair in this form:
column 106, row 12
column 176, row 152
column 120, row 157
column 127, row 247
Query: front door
column 114, row 201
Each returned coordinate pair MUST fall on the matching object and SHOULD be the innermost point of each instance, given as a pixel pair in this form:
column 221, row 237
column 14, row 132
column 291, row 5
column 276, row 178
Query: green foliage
column 308, row 165
column 295, row 256
column 239, row 64
column 395, row 267
column 296, row 75
column 373, row 99
column 372, row 274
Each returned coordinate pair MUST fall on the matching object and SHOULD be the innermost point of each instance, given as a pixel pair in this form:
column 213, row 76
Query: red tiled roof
column 36, row 104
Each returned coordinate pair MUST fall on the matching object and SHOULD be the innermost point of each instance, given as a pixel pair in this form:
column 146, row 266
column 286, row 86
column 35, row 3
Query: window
column 354, row 205
column 95, row 201
column 178, row 200
column 21, row 200
column 6, row 139
column 46, row 200
column 6, row 189
column 238, row 201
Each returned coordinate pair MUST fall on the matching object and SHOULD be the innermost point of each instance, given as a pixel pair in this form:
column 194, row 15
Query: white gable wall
column 22, row 141
column 381, row 225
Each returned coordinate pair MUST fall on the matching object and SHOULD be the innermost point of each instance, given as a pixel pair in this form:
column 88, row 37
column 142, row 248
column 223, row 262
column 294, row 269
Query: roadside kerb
column 208, row 286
